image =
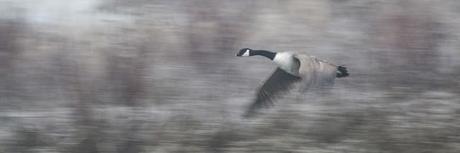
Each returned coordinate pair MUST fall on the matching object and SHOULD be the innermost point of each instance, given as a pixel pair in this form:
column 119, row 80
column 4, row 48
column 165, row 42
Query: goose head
column 244, row 52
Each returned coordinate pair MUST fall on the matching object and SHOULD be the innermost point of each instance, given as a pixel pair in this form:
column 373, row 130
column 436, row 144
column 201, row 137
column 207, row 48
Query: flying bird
column 295, row 70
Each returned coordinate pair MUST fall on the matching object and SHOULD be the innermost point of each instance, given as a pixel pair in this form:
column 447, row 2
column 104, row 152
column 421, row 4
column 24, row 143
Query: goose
column 295, row 70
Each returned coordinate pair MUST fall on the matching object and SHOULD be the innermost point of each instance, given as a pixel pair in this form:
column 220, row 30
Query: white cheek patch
column 246, row 53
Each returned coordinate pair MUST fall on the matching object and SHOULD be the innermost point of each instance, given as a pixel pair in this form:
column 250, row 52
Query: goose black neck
column 268, row 54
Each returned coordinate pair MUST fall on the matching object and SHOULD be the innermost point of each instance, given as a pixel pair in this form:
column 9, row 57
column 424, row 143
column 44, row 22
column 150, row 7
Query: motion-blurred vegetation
column 161, row 76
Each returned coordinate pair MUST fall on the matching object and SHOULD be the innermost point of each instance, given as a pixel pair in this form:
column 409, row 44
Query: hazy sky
column 70, row 13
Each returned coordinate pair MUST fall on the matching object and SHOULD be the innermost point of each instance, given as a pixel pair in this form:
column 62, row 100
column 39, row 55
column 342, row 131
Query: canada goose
column 294, row 71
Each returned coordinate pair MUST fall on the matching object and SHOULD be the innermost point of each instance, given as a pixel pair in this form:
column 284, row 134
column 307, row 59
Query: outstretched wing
column 278, row 83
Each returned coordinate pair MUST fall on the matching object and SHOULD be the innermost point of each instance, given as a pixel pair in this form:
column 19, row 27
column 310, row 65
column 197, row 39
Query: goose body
column 295, row 70
column 287, row 62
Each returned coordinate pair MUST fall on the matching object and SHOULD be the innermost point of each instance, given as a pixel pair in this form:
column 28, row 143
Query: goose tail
column 342, row 72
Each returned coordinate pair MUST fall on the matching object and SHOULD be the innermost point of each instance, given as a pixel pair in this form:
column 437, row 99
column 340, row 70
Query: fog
column 160, row 76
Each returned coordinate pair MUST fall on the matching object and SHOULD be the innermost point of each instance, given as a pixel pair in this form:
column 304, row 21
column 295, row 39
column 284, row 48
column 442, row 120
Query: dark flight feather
column 279, row 82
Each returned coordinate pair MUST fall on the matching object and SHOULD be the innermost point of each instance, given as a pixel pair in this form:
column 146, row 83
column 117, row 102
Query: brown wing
column 278, row 83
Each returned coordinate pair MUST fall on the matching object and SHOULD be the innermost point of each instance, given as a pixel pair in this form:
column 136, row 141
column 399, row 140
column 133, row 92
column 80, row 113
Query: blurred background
column 161, row 76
